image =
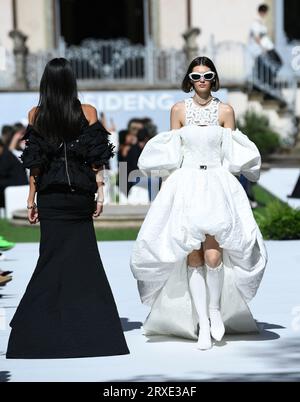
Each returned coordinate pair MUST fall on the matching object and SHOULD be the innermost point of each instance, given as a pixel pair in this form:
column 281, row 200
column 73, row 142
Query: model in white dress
column 200, row 196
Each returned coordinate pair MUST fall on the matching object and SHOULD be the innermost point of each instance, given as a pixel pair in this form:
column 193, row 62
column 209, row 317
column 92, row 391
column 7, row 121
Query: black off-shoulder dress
column 68, row 309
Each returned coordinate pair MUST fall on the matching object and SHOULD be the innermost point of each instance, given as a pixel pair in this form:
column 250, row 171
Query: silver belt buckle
column 203, row 166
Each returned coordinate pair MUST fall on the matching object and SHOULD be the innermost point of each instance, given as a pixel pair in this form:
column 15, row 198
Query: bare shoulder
column 90, row 112
column 226, row 109
column 227, row 116
column 178, row 107
column 31, row 114
column 177, row 115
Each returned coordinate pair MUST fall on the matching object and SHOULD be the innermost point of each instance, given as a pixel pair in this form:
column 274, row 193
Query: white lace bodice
column 201, row 115
column 201, row 145
column 207, row 145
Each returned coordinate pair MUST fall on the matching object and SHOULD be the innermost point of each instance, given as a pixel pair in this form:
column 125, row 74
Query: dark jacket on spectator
column 12, row 173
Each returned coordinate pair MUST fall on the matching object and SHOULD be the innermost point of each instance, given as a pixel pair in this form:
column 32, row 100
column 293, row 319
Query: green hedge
column 258, row 129
column 31, row 233
column 279, row 221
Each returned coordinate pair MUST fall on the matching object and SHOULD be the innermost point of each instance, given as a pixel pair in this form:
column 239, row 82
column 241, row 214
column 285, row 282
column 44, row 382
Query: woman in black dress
column 68, row 309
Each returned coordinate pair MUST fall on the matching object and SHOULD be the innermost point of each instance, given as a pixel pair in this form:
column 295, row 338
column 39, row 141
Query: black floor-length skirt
column 68, row 309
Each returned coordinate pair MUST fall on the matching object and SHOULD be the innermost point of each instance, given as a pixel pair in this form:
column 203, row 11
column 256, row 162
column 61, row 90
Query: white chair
column 15, row 198
column 138, row 195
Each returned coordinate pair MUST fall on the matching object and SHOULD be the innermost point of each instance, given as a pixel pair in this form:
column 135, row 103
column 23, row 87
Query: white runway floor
column 281, row 183
column 274, row 354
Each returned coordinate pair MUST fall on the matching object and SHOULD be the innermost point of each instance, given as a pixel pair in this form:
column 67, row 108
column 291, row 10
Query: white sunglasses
column 208, row 76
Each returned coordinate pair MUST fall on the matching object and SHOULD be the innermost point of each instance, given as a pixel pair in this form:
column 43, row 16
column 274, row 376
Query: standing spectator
column 6, row 134
column 262, row 47
column 134, row 125
column 16, row 143
column 152, row 184
column 128, row 137
column 12, row 172
column 134, row 153
column 129, row 140
column 150, row 126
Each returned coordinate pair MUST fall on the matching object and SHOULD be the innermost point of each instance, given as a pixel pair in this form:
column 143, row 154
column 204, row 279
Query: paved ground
column 274, row 354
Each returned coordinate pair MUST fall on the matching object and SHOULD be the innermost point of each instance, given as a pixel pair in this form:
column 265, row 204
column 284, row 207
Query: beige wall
column 32, row 20
column 225, row 19
column 6, row 23
column 172, row 16
column 271, row 17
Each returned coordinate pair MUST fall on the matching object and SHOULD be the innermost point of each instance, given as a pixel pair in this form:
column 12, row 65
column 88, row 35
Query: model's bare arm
column 34, row 172
column 177, row 116
column 227, row 116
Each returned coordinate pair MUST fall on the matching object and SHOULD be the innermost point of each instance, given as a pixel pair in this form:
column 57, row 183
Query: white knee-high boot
column 197, row 287
column 214, row 281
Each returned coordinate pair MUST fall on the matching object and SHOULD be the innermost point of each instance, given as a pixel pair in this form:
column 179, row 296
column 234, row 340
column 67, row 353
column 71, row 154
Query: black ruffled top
column 68, row 165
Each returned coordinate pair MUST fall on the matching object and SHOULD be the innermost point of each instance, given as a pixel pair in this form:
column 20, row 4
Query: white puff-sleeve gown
column 200, row 196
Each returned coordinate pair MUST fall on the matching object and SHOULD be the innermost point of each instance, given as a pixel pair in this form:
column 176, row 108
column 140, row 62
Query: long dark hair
column 200, row 61
column 59, row 114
